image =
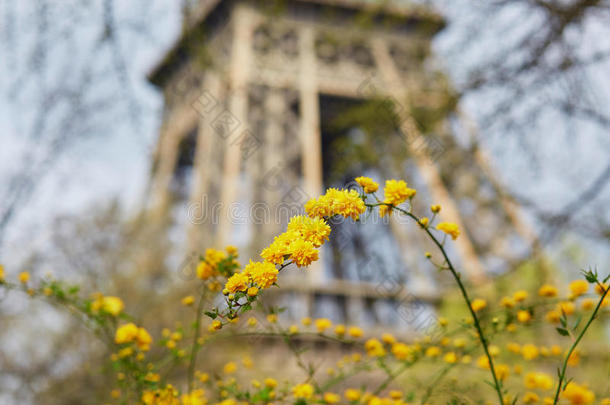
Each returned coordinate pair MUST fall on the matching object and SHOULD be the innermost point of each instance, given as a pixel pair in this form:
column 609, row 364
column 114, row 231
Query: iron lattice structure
column 252, row 92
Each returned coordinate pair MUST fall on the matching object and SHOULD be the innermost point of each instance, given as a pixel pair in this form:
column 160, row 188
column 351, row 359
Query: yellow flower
column 502, row 371
column 355, row 332
column 302, row 391
column 352, row 394
column 125, row 352
column 397, row 192
column 205, row 270
column 231, row 250
column 556, row 350
column 520, row 295
column 264, row 274
column 229, row 368
column 483, row 362
column 247, row 362
column 216, row 325
column 24, row 277
column 252, row 291
column 331, row 398
column 478, row 304
column 336, row 202
column 450, row 358
column 367, row 184
column 587, row 304
column 433, row 351
column 449, row 228
column 578, row 288
column 507, row 302
column 578, row 394
column 531, row 398
column 160, row 396
column 279, row 248
column 237, row 282
column 459, row 342
column 524, row 316
column 306, row 321
column 272, row 318
column 547, row 291
column 347, row 203
column 529, row 351
column 303, row 253
column 314, row 230
column 112, row 305
column 340, row 330
column 539, row 380
column 374, row 348
column 322, row 324
column 196, row 397
column 188, row 300
column 152, row 377
column 553, row 316
column 435, row 208
column 270, row 382
column 424, row 221
column 126, row 333
column 513, row 347
column 388, row 338
column 401, row 351
column 566, row 307
column 214, row 256
column 1, row 273
column 395, row 394
column 143, row 339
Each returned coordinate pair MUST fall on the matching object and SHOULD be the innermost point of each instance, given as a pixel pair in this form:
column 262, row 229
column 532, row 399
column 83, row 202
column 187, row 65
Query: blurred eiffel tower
column 269, row 102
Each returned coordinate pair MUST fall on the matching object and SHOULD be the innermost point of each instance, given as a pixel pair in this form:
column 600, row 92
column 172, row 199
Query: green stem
column 456, row 276
column 562, row 374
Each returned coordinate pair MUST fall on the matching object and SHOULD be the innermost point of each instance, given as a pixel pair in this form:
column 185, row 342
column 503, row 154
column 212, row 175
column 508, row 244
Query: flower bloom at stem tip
column 449, row 228
column 367, row 184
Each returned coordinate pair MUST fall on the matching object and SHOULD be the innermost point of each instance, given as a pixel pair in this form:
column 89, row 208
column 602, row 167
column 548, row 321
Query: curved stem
column 562, row 374
column 456, row 276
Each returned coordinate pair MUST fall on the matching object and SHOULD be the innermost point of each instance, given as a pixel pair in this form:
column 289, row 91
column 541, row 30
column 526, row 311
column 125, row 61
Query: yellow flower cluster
column 314, row 230
column 161, row 396
column 346, row 203
column 208, row 267
column 300, row 242
column 395, row 192
column 108, row 304
column 263, row 274
column 304, row 391
column 131, row 333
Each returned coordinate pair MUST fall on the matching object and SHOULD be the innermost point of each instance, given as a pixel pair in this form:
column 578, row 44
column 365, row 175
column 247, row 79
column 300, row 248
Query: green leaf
column 211, row 314
column 562, row 331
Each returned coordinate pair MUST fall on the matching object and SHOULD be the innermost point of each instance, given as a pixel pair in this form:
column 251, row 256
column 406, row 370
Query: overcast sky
column 115, row 162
